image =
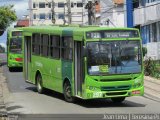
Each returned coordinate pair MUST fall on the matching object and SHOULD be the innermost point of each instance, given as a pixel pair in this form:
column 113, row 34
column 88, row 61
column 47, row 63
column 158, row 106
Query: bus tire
column 68, row 92
column 10, row 69
column 118, row 99
column 39, row 84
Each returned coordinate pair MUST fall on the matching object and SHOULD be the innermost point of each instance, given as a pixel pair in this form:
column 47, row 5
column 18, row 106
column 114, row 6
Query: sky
column 20, row 7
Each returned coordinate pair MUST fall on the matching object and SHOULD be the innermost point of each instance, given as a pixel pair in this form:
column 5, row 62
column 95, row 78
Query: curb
column 3, row 94
column 152, row 88
column 151, row 97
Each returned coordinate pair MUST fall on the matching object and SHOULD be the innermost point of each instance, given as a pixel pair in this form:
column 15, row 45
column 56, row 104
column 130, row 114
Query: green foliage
column 7, row 16
column 152, row 68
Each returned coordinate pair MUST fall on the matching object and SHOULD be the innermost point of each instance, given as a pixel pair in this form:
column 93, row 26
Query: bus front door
column 27, row 57
column 78, row 70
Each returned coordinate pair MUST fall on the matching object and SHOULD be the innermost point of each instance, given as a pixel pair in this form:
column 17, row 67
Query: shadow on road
column 96, row 103
column 33, row 89
column 10, row 108
column 102, row 103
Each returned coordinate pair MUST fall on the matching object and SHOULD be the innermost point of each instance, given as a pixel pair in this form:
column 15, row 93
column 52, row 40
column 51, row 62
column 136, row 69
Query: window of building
column 36, row 44
column 67, row 48
column 50, row 16
column 72, row 4
column 55, row 46
column 79, row 4
column 143, row 2
column 158, row 27
column 34, row 16
column 42, row 16
column 37, row 16
column 61, row 16
column 44, row 45
column 34, row 5
column 136, row 4
column 60, row 4
column 153, row 32
column 145, row 33
column 49, row 5
column 42, row 5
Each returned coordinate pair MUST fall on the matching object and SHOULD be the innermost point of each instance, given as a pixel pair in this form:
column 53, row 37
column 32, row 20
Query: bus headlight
column 137, row 85
column 93, row 88
column 137, row 81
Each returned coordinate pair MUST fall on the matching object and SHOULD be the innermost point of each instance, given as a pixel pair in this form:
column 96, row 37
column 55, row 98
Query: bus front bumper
column 89, row 94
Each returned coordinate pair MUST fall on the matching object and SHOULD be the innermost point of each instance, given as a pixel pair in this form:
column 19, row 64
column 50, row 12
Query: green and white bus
column 14, row 48
column 85, row 62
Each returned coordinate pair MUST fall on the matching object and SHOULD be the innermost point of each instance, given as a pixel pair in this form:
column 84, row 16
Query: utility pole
column 53, row 12
column 82, row 12
column 91, row 13
column 64, row 19
column 69, row 12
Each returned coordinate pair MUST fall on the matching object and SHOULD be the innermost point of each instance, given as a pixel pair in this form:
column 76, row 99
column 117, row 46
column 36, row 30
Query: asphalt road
column 23, row 98
column 3, row 59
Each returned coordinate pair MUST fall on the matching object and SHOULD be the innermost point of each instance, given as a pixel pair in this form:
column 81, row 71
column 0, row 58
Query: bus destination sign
column 17, row 33
column 113, row 34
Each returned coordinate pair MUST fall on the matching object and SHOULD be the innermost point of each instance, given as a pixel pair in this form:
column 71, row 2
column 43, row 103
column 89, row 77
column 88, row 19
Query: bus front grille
column 116, row 93
column 115, row 80
column 115, row 88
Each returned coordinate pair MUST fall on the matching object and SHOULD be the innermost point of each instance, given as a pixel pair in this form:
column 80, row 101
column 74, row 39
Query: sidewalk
column 152, row 87
column 2, row 85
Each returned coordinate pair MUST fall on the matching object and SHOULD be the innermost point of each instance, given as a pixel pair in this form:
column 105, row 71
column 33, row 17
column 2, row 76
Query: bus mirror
column 144, row 50
column 84, row 51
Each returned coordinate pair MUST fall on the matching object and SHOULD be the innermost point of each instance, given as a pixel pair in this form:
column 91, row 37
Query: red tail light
column 19, row 59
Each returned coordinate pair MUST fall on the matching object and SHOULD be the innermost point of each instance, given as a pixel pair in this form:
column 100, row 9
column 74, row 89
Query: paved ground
column 23, row 98
column 152, row 87
column 2, row 85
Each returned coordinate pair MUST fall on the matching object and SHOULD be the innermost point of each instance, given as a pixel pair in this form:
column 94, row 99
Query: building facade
column 106, row 12
column 147, row 19
column 43, row 12
column 113, row 13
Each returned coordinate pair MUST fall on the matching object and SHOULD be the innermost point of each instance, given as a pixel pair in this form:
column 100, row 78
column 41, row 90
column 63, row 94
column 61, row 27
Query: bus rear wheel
column 68, row 92
column 40, row 88
column 10, row 69
column 118, row 99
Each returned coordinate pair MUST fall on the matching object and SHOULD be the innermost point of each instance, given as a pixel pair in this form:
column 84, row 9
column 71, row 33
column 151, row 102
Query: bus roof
column 14, row 29
column 75, row 28
column 67, row 30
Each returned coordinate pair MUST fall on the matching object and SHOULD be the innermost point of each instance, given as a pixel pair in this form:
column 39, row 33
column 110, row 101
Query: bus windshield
column 16, row 45
column 114, row 57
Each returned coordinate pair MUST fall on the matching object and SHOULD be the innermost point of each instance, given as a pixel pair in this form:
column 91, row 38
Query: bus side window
column 55, row 46
column 36, row 44
column 44, row 45
column 67, row 48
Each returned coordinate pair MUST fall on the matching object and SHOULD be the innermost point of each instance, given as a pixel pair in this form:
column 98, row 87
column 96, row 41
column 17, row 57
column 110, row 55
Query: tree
column 7, row 17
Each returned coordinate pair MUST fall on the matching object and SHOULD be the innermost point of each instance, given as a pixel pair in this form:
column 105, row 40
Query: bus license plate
column 97, row 94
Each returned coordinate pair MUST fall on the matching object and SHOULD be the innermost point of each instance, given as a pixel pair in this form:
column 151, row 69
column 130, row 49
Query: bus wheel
column 10, row 69
column 118, row 99
column 68, row 92
column 40, row 88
